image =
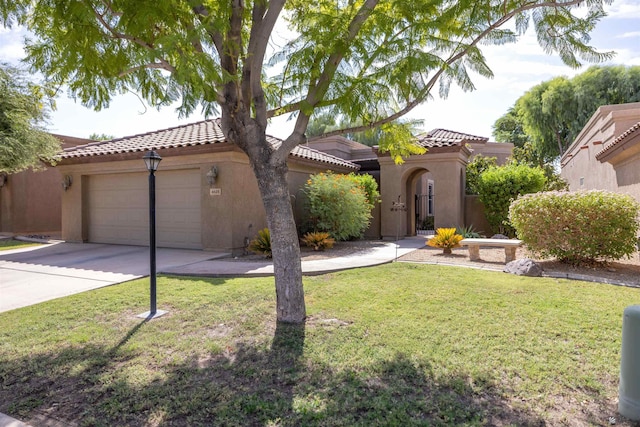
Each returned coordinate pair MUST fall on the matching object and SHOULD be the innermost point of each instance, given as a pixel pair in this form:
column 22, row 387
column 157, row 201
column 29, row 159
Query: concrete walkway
column 41, row 273
column 384, row 253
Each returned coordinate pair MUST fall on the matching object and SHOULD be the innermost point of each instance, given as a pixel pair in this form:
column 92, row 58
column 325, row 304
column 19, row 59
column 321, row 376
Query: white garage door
column 119, row 209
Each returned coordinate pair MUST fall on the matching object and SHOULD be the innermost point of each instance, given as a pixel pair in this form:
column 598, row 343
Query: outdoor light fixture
column 152, row 160
column 398, row 207
column 212, row 175
column 66, row 182
column 3, row 179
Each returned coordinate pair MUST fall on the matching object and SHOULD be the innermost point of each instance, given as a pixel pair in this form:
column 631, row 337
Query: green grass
column 6, row 244
column 395, row 345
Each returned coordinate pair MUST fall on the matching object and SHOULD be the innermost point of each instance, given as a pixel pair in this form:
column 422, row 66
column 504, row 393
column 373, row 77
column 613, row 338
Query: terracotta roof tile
column 199, row 133
column 619, row 140
column 446, row 138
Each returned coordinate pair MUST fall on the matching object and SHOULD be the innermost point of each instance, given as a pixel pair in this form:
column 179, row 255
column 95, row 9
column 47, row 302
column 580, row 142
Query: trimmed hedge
column 577, row 227
column 499, row 186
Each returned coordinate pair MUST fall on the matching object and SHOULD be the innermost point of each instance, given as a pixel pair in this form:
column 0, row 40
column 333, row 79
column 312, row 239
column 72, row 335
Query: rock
column 499, row 236
column 524, row 267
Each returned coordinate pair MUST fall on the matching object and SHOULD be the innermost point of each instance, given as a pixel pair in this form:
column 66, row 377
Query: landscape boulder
column 524, row 267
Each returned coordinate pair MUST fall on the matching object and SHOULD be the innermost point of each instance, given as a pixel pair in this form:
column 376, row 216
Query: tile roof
column 199, row 133
column 619, row 140
column 446, row 138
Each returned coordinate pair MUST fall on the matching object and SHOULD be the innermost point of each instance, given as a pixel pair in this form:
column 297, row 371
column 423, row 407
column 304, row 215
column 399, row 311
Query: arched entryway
column 420, row 191
column 440, row 171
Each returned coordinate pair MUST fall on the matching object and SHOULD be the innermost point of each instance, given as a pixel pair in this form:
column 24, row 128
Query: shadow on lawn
column 251, row 386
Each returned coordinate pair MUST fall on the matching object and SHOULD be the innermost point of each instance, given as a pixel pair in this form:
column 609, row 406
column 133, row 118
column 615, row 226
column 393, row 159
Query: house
column 429, row 187
column 30, row 201
column 107, row 199
column 606, row 153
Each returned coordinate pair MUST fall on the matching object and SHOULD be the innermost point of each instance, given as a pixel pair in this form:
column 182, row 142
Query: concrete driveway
column 36, row 274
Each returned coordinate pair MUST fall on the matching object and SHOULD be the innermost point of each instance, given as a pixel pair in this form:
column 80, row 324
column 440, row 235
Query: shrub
column 337, row 205
column 499, row 186
column 468, row 232
column 445, row 238
column 475, row 168
column 369, row 185
column 577, row 227
column 262, row 243
column 318, row 240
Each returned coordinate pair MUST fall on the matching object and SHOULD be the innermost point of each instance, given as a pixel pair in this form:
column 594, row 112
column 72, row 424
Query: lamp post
column 151, row 161
column 398, row 207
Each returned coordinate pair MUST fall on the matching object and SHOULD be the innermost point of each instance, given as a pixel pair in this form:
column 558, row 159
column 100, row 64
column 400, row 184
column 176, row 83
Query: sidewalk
column 226, row 267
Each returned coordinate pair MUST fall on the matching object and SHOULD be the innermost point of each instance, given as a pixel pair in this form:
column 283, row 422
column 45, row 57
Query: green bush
column 337, row 205
column 475, row 168
column 369, row 185
column 499, row 186
column 468, row 232
column 578, row 227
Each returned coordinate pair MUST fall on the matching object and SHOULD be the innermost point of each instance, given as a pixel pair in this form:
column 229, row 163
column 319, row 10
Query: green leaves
column 339, row 205
column 499, row 186
column 366, row 61
column 23, row 111
column 577, row 227
column 546, row 119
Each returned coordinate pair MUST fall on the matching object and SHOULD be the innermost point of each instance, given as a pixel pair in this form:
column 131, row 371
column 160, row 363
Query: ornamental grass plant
column 445, row 238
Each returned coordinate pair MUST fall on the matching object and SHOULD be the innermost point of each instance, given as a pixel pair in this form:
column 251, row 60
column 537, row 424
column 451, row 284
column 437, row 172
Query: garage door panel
column 119, row 209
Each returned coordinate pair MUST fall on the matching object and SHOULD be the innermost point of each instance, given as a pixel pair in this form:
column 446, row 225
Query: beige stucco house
column 606, row 153
column 430, row 186
column 107, row 201
column 30, row 201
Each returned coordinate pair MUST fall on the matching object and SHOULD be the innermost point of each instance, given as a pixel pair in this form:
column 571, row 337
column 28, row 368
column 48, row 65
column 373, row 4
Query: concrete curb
column 568, row 276
column 36, row 240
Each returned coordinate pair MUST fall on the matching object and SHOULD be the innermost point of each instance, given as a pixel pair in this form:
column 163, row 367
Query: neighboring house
column 30, row 201
column 606, row 153
column 431, row 186
column 107, row 201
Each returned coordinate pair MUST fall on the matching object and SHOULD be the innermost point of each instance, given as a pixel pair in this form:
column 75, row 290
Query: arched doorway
column 420, row 197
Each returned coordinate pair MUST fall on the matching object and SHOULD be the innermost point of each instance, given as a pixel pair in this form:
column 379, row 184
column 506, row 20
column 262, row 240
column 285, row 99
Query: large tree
column 23, row 111
column 549, row 116
column 371, row 61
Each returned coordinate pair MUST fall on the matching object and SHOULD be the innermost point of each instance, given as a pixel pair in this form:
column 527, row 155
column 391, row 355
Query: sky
column 517, row 67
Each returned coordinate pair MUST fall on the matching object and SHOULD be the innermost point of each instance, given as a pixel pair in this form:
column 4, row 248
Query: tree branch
column 140, row 67
column 316, row 94
column 166, row 65
column 424, row 93
column 258, row 42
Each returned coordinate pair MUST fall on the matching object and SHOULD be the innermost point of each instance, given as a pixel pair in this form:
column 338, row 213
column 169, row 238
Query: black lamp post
column 152, row 160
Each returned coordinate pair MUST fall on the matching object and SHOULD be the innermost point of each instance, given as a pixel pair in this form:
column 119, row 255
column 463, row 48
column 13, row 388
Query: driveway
column 36, row 274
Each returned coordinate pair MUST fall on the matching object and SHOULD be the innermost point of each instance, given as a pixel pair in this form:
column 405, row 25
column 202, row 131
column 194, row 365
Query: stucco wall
column 500, row 150
column 448, row 172
column 30, row 202
column 474, row 215
column 230, row 216
column 581, row 169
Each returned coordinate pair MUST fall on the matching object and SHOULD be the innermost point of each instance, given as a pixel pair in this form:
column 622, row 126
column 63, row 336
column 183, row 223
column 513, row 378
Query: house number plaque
column 215, row 191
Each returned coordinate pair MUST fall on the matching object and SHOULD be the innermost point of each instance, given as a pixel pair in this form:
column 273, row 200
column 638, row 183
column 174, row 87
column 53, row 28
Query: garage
column 118, row 209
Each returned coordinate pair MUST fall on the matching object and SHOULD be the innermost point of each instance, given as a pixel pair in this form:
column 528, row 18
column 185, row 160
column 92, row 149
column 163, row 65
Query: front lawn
column 395, row 345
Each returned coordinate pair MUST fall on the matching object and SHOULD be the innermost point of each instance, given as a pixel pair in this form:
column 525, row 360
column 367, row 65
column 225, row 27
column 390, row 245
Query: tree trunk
column 285, row 247
column 274, row 190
